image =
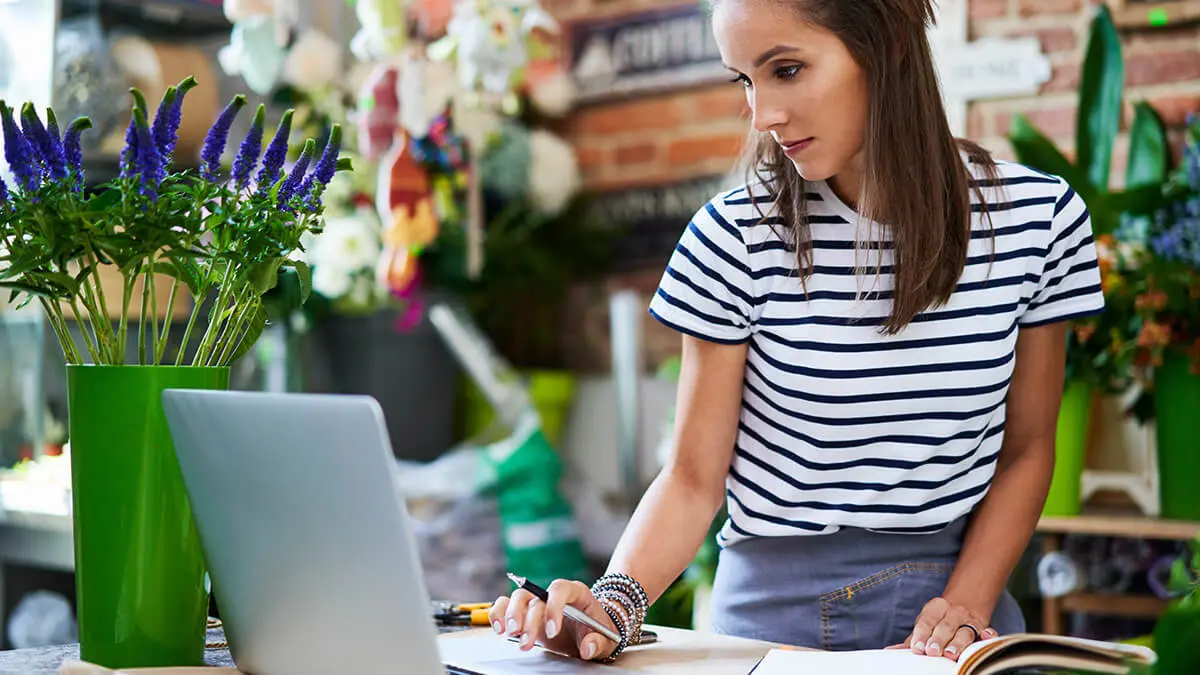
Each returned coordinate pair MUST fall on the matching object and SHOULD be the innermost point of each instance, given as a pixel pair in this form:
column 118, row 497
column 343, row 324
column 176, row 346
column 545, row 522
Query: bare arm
column 672, row 518
column 1003, row 523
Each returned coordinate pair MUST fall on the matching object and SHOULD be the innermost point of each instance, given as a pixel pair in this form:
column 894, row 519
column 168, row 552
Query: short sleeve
column 705, row 291
column 1069, row 285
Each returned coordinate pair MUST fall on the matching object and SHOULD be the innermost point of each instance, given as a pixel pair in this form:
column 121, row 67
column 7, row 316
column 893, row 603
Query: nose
column 766, row 112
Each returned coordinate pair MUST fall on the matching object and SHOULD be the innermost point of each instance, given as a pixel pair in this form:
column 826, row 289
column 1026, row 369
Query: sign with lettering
column 652, row 51
column 652, row 217
column 994, row 68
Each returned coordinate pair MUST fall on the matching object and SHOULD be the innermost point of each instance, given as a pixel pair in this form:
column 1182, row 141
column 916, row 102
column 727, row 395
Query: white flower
column 314, row 61
column 553, row 171
column 348, row 245
column 553, row 94
column 240, row 10
column 331, row 281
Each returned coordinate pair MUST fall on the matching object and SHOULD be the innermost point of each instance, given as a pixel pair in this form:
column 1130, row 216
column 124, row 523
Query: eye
column 743, row 79
column 788, row 72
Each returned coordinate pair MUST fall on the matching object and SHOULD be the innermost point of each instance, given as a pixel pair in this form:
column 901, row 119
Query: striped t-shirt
column 841, row 425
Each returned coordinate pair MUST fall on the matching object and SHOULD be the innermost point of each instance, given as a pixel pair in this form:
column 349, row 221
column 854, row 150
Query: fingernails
column 512, row 625
column 589, row 650
column 919, row 647
column 498, row 627
column 935, row 648
column 526, row 640
column 990, row 632
column 952, row 650
column 551, row 628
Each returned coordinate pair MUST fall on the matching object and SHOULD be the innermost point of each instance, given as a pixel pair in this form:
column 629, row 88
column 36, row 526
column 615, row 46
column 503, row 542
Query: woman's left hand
column 941, row 630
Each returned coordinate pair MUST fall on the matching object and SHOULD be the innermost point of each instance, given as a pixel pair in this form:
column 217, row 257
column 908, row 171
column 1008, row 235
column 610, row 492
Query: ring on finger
column 974, row 631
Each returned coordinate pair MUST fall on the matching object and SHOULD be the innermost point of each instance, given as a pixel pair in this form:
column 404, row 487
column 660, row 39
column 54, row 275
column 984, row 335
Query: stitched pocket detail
column 834, row 605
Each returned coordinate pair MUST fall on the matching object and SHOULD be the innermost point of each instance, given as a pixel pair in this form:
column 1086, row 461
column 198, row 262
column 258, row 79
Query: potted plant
column 1097, row 354
column 1167, row 323
column 219, row 238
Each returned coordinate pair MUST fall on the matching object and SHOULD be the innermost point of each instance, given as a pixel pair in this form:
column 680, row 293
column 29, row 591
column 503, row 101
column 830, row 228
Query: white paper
column 866, row 662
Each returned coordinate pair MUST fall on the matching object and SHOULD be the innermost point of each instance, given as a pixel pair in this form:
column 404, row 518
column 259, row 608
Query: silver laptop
column 307, row 539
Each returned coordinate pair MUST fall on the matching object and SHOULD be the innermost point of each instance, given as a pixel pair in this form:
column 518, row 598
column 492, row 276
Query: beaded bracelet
column 625, row 601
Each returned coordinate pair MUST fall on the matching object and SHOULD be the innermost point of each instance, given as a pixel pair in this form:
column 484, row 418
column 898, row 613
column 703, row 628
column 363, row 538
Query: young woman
column 873, row 352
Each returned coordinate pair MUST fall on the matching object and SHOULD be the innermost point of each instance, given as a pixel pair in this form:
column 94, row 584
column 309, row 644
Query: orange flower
column 1153, row 299
column 1154, row 334
column 1085, row 331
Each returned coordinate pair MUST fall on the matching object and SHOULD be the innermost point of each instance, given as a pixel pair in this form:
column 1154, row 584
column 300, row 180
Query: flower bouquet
column 221, row 237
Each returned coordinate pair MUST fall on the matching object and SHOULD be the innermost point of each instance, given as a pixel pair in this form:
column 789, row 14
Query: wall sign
column 653, row 217
column 655, row 51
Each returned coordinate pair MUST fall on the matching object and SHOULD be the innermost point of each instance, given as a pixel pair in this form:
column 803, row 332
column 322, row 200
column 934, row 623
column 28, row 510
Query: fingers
column 563, row 593
column 960, row 640
column 514, row 612
column 496, row 614
column 942, row 635
column 532, row 626
column 932, row 615
column 989, row 633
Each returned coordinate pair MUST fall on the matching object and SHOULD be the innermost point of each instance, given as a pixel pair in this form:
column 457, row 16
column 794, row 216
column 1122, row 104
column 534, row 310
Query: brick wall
column 697, row 132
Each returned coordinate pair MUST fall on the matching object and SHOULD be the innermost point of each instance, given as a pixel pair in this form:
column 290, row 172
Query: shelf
column 1132, row 606
column 1120, row 525
column 1140, row 14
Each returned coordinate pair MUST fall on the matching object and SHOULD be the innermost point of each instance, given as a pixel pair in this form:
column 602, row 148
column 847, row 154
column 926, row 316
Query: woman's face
column 802, row 84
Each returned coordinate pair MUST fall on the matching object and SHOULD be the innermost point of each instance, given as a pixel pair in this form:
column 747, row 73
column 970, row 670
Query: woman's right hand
column 524, row 616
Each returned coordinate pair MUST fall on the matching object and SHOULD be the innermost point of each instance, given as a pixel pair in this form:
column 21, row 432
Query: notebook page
column 866, row 662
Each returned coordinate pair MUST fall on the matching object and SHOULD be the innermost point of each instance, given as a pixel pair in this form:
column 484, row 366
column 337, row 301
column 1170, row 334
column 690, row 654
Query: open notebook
column 988, row 657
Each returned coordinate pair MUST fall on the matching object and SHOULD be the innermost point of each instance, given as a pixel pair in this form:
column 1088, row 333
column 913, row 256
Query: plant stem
column 166, row 327
column 89, row 303
column 215, row 319
column 70, row 353
column 98, row 290
column 127, row 283
column 187, row 332
column 87, row 340
column 142, row 319
column 239, row 324
column 154, row 314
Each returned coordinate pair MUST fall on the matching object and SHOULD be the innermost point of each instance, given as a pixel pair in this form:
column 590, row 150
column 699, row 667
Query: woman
column 873, row 354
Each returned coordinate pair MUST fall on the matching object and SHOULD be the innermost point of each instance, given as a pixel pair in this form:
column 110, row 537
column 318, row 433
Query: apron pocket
column 879, row 610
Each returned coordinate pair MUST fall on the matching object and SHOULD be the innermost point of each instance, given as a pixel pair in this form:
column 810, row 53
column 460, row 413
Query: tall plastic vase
column 139, row 568
column 1070, row 448
column 1177, row 411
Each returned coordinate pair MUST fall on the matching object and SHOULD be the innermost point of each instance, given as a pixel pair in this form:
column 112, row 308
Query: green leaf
column 264, row 275
column 1148, row 150
column 257, row 324
column 31, row 289
column 304, row 276
column 1141, row 200
column 1100, row 93
column 1035, row 150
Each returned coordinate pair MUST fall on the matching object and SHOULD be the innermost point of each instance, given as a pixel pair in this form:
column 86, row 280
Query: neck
column 847, row 184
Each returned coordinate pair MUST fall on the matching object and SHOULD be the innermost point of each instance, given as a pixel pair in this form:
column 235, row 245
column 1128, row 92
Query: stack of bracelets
column 625, row 602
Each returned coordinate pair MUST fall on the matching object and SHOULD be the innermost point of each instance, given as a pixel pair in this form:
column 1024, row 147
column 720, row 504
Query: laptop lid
column 307, row 538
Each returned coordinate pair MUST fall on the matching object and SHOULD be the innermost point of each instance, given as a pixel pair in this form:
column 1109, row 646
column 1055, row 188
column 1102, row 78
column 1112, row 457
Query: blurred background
column 527, row 169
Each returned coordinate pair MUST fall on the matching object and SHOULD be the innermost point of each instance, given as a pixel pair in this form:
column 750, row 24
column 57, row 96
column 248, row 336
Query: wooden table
column 678, row 652
column 1100, row 524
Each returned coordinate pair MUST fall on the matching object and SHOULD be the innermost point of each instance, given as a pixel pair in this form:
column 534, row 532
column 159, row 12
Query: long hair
column 915, row 180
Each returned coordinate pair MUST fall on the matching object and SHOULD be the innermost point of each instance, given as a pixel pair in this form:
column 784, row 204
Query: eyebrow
column 771, row 53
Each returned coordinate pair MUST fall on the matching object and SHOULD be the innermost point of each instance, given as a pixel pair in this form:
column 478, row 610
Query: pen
column 570, row 611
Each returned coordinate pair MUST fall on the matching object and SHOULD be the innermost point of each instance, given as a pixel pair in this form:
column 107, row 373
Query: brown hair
column 915, row 180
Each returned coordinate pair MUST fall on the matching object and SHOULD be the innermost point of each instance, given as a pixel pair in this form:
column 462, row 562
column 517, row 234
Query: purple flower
column 162, row 119
column 218, row 134
column 3, row 192
column 324, row 169
column 72, row 151
column 129, row 154
column 276, row 154
column 59, row 167
column 39, row 141
column 248, row 153
column 149, row 165
column 293, row 180
column 18, row 152
column 170, row 131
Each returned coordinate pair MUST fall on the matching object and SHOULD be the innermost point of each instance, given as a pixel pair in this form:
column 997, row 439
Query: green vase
column 1070, row 448
column 139, row 569
column 1177, row 413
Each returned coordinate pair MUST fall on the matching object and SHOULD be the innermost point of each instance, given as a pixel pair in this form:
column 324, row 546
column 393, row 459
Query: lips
column 792, row 147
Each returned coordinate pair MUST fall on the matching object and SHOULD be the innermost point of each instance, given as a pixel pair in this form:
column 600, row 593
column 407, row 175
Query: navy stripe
column 851, row 296
column 1082, row 291
column 1012, row 180
column 880, row 396
column 848, row 271
column 1071, row 316
column 883, row 346
column 710, row 273
column 896, row 509
column 767, row 518
column 875, row 461
column 705, row 317
column 1078, row 268
column 702, row 291
column 717, row 250
column 1013, row 205
column 1067, row 254
column 946, row 315
column 892, row 371
column 925, row 415
column 1064, row 200
column 696, row 334
column 1071, row 229
column 910, row 484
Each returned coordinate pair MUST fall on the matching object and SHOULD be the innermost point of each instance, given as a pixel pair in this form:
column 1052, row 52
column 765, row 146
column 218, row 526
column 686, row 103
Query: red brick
column 975, row 123
column 1043, row 7
column 591, row 156
column 1053, row 122
column 697, row 149
column 1063, row 77
column 641, row 114
column 1174, row 109
column 1053, row 39
column 724, row 100
column 1162, row 67
column 636, row 153
column 987, row 9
